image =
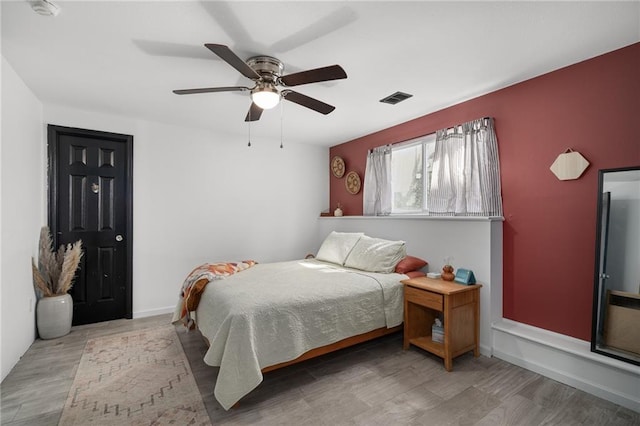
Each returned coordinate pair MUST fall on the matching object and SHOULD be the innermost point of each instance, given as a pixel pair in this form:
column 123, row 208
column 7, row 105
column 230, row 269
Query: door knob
column 118, row 238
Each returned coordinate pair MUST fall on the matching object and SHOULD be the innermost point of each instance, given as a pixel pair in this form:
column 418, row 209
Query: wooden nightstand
column 425, row 299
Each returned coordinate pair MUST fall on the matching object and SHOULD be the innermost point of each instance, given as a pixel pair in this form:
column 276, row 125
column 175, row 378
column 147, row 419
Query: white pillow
column 337, row 246
column 376, row 255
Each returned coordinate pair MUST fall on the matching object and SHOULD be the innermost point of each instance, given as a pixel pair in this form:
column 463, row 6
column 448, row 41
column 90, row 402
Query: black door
column 90, row 199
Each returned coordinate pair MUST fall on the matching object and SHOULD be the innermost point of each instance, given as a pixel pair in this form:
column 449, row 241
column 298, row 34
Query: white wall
column 200, row 197
column 22, row 163
column 471, row 243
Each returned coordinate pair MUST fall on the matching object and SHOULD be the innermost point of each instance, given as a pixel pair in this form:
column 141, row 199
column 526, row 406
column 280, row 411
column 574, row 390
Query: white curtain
column 465, row 178
column 377, row 182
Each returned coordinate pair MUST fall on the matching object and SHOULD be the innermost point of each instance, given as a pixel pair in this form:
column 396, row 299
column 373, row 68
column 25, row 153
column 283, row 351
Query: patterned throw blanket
column 198, row 279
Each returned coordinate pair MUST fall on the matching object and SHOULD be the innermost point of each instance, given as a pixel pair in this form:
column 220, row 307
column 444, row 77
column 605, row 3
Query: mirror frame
column 596, row 287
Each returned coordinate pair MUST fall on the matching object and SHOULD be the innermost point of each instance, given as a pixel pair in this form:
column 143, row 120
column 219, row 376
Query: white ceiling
column 126, row 57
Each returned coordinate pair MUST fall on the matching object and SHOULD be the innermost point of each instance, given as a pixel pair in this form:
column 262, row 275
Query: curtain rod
column 426, row 134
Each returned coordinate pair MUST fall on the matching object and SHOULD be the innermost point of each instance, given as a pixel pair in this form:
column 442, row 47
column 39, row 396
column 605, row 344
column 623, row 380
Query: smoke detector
column 45, row 7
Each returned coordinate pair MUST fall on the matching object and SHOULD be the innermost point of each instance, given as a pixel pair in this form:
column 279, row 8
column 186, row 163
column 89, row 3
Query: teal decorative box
column 465, row 276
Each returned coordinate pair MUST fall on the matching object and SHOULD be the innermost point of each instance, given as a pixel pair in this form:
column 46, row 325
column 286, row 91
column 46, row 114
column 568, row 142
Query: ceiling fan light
column 265, row 97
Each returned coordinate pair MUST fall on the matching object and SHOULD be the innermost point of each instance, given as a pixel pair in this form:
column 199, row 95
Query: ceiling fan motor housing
column 268, row 67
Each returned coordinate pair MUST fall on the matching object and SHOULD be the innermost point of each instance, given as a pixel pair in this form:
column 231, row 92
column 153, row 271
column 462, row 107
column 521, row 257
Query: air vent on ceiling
column 395, row 98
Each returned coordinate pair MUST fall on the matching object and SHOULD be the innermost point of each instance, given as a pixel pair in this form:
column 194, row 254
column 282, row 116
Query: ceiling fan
column 266, row 72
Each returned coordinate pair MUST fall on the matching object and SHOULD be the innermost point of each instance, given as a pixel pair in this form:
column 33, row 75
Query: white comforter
column 275, row 312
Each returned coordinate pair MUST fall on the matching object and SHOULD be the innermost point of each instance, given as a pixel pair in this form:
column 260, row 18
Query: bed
column 270, row 315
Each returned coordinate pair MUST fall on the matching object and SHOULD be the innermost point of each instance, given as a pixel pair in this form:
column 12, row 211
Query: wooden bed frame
column 341, row 344
column 332, row 347
column 323, row 350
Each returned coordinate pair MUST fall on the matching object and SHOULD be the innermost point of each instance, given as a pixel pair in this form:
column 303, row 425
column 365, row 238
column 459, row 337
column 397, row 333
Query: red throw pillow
column 410, row 263
column 415, row 274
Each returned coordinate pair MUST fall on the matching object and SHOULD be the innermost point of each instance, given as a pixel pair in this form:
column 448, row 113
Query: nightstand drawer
column 423, row 297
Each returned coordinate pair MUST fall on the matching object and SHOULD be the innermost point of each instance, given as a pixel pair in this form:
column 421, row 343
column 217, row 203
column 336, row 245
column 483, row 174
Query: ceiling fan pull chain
column 281, row 120
column 249, row 124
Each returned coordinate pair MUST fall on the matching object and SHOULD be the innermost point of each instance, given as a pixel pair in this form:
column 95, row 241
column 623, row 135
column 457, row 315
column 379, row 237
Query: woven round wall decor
column 352, row 183
column 337, row 166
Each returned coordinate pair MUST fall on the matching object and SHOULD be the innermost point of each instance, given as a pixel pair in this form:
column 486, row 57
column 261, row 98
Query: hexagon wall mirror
column 569, row 165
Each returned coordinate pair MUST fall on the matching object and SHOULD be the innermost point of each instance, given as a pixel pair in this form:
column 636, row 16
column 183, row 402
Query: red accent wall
column 550, row 225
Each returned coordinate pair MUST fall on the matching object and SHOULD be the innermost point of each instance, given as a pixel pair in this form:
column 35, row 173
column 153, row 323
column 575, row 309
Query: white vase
column 54, row 315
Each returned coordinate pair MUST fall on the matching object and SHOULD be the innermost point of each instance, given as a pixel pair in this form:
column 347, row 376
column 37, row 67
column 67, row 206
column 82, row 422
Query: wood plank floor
column 375, row 383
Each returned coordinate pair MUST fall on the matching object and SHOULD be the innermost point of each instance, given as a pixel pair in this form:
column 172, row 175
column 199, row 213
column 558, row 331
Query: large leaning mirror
column 616, row 305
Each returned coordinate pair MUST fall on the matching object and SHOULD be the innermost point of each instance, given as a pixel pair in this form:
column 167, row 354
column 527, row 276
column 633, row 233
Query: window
column 411, row 165
column 455, row 172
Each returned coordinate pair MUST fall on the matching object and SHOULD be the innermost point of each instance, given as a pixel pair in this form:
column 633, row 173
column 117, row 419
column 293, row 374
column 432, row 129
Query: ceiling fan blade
column 176, row 50
column 232, row 59
column 308, row 102
column 333, row 72
column 228, row 20
column 211, row 90
column 327, row 24
column 254, row 113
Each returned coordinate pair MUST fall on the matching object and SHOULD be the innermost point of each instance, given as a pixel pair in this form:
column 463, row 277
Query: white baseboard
column 485, row 350
column 153, row 312
column 567, row 360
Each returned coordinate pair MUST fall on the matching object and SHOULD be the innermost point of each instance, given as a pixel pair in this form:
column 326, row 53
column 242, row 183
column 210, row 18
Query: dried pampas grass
column 70, row 264
column 39, row 280
column 55, row 271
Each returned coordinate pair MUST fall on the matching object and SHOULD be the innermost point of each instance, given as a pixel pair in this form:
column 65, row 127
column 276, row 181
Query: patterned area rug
column 135, row 378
